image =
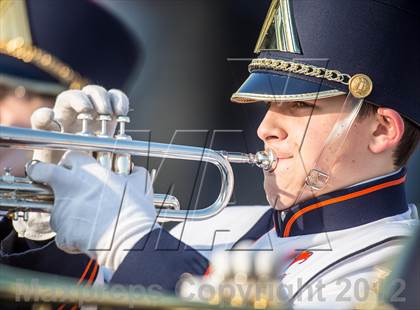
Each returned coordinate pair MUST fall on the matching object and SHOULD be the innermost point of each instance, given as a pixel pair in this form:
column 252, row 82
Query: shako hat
column 313, row 49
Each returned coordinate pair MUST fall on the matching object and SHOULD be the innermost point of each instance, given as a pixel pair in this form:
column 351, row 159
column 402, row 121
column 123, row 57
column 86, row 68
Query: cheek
column 356, row 146
column 313, row 141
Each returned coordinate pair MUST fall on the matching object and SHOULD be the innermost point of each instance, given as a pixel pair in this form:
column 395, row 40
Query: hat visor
column 267, row 86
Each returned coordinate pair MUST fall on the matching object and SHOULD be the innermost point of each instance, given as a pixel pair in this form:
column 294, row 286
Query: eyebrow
column 289, row 102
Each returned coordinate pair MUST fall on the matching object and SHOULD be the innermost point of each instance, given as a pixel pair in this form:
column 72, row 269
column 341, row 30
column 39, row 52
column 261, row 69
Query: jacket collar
column 353, row 206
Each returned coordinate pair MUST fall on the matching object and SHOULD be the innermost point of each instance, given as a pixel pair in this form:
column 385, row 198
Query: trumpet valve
column 85, row 118
column 104, row 119
column 122, row 120
column 104, row 158
column 122, row 162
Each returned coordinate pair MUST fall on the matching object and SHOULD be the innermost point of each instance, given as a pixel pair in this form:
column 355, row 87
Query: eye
column 302, row 105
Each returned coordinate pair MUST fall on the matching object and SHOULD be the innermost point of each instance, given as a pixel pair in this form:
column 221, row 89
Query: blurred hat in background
column 48, row 46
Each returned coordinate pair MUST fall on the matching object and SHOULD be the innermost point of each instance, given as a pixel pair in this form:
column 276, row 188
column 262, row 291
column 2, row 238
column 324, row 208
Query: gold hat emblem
column 360, row 86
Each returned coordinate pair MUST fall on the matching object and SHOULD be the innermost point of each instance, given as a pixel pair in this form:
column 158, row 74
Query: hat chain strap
column 298, row 68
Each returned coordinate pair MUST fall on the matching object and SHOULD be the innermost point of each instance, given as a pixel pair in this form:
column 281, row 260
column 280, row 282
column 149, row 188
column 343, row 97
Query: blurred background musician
column 47, row 47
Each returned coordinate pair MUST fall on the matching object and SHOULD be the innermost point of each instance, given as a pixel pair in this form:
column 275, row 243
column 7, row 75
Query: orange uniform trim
column 82, row 278
column 93, row 274
column 207, row 272
column 85, row 272
column 338, row 199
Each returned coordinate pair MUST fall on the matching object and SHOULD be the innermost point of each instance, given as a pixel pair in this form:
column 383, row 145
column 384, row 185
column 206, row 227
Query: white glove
column 96, row 211
column 91, row 99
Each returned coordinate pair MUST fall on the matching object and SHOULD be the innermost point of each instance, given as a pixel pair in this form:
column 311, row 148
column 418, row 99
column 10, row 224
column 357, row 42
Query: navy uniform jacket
column 43, row 256
column 350, row 232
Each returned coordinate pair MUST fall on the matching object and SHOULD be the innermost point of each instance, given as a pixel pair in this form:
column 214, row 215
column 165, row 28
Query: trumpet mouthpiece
column 266, row 160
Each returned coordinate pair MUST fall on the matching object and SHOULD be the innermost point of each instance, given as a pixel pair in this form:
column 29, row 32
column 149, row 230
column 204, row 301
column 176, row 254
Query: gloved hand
column 91, row 99
column 97, row 211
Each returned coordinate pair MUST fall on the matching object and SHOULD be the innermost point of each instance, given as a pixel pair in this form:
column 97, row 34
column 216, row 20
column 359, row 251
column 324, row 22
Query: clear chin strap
column 319, row 175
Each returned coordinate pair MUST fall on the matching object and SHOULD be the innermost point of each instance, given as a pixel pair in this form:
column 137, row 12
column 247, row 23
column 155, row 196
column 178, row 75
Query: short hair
column 409, row 140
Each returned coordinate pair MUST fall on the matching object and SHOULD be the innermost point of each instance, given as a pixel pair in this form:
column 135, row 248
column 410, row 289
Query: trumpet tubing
column 23, row 195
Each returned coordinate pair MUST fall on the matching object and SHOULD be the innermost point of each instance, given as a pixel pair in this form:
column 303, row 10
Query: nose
column 270, row 129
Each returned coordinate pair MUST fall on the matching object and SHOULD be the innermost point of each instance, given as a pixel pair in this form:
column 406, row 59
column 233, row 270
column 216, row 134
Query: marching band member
column 342, row 118
column 40, row 56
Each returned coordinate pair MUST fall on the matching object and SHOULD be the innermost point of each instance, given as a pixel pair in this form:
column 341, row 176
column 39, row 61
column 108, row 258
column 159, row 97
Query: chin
column 279, row 202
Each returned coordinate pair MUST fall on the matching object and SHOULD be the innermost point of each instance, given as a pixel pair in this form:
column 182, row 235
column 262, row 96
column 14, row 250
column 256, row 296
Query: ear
column 388, row 130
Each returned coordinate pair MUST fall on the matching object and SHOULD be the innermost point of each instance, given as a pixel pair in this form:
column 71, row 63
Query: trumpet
column 20, row 195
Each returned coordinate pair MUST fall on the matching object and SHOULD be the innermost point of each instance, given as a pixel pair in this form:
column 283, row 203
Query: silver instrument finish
column 122, row 162
column 104, row 158
column 40, row 198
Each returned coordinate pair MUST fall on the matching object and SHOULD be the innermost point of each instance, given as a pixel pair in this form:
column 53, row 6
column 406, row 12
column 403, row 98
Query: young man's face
column 296, row 132
column 17, row 112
